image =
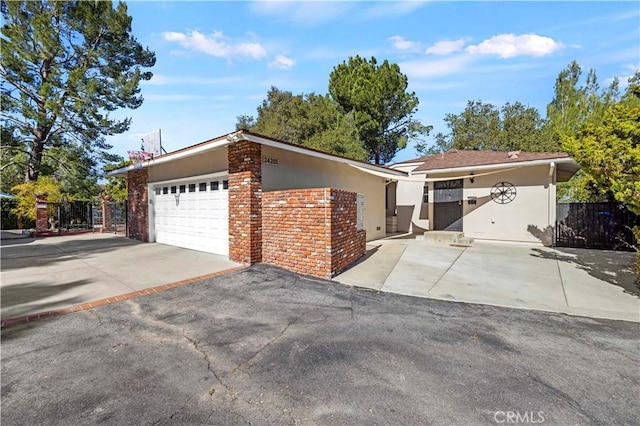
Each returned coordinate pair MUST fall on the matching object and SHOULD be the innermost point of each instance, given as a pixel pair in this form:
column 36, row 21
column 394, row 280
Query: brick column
column 245, row 202
column 107, row 216
column 138, row 214
column 42, row 218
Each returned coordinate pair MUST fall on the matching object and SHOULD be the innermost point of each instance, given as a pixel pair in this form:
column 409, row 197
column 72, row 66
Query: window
column 165, row 190
column 214, row 186
column 158, row 191
column 203, row 186
column 192, row 187
column 183, row 189
column 425, row 194
column 225, row 184
column 173, row 189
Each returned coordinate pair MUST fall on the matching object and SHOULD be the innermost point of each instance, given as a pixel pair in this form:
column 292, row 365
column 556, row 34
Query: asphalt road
column 264, row 346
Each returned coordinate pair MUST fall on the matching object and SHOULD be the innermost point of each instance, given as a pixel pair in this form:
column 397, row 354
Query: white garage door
column 193, row 214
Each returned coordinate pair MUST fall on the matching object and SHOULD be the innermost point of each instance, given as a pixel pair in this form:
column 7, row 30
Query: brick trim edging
column 94, row 304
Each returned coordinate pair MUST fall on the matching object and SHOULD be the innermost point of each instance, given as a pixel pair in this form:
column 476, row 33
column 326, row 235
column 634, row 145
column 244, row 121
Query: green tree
column 609, row 150
column 283, row 115
column 117, row 188
column 382, row 109
column 26, row 194
column 340, row 139
column 521, row 129
column 574, row 104
column 65, row 66
column 310, row 120
column 483, row 126
column 13, row 158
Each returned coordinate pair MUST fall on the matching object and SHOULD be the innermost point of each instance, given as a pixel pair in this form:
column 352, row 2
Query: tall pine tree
column 64, row 67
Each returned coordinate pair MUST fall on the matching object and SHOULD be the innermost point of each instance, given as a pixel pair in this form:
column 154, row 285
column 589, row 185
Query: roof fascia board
column 301, row 150
column 497, row 166
column 413, row 163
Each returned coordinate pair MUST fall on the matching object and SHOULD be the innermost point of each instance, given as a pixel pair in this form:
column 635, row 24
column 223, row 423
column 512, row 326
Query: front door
column 447, row 207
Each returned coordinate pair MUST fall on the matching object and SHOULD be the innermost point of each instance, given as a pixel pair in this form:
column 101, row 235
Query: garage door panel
column 199, row 220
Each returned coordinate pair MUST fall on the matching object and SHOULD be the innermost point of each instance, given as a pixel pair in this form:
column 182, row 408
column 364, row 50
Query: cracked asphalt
column 264, row 346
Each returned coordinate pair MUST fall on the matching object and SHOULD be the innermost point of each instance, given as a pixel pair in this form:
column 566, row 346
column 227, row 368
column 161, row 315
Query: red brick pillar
column 245, row 202
column 107, row 216
column 42, row 218
column 138, row 214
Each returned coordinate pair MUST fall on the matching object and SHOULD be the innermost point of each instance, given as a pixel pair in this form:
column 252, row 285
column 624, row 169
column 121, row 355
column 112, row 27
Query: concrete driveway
column 47, row 274
column 592, row 283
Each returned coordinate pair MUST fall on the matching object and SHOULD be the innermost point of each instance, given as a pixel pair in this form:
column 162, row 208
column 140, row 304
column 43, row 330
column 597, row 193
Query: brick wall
column 347, row 243
column 245, row 199
column 138, row 215
column 311, row 231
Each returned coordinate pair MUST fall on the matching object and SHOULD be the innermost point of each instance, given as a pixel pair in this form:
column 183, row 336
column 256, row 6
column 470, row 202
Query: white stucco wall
column 524, row 219
column 412, row 215
column 297, row 171
column 528, row 218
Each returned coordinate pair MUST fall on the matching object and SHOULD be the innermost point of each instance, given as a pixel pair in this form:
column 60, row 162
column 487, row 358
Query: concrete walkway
column 57, row 272
column 590, row 283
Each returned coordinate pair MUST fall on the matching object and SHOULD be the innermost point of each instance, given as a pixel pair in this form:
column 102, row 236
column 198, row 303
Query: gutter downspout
column 552, row 170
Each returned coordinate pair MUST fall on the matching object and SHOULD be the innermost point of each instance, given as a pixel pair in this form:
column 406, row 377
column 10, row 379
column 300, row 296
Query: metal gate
column 110, row 216
column 595, row 225
column 69, row 216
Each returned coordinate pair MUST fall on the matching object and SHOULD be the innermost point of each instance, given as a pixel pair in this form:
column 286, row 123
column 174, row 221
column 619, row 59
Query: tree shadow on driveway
column 21, row 299
column 613, row 267
column 57, row 249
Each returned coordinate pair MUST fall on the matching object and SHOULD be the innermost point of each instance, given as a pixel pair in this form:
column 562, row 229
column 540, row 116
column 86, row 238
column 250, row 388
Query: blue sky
column 217, row 60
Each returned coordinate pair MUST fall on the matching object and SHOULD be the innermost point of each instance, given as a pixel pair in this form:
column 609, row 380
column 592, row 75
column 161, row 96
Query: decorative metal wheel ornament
column 503, row 192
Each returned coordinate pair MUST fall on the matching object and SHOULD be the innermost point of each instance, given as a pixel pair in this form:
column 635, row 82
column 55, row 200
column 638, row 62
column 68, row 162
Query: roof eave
column 498, row 165
column 233, row 137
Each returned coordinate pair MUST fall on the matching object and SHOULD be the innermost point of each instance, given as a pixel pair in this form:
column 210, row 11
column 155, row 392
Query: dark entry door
column 447, row 208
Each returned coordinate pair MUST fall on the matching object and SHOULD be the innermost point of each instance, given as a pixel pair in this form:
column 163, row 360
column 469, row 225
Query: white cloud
column 401, row 44
column 445, row 47
column 282, row 62
column 215, row 45
column 427, row 68
column 511, row 45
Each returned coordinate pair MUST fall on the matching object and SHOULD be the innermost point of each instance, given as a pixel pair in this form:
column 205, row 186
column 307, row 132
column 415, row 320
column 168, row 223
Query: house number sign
column 270, row 160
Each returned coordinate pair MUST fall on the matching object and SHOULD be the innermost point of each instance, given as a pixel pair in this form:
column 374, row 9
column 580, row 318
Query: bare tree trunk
column 35, row 159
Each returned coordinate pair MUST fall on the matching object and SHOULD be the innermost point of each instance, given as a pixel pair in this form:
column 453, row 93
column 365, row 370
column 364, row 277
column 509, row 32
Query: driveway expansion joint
column 445, row 272
column 564, row 292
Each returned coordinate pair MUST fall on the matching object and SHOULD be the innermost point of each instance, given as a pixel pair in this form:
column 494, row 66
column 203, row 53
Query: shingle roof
column 462, row 158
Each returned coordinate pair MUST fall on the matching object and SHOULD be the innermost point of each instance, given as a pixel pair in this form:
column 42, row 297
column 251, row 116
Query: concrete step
column 448, row 237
